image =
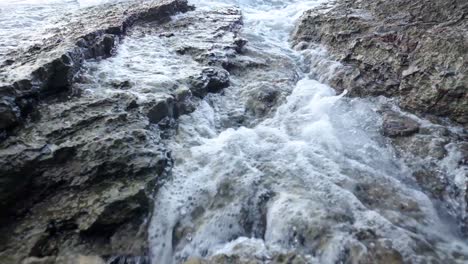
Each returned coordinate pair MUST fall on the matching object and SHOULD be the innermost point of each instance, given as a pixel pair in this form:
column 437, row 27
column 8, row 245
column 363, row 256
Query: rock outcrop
column 27, row 76
column 78, row 174
column 414, row 51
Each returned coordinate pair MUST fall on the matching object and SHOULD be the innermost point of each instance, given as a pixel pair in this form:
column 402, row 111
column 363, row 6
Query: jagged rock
column 211, row 38
column 50, row 67
column 209, row 81
column 77, row 176
column 161, row 110
column 81, row 181
column 426, row 153
column 184, row 103
column 412, row 50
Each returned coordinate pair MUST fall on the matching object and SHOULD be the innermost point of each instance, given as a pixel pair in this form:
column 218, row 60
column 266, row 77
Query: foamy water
column 313, row 178
column 308, row 180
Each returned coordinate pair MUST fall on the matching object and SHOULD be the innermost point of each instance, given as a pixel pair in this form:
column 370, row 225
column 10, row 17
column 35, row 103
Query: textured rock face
column 49, row 67
column 414, row 51
column 77, row 176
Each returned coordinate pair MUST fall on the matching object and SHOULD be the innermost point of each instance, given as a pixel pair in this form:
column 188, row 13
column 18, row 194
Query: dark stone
column 211, row 80
column 9, row 114
column 161, row 110
column 395, row 125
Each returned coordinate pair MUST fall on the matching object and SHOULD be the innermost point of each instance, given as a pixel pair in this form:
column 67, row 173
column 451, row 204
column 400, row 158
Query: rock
column 76, row 179
column 77, row 259
column 161, row 110
column 210, row 80
column 128, row 260
column 411, row 50
column 261, row 100
column 426, row 154
column 50, row 67
column 434, row 183
column 184, row 103
column 125, row 85
column 396, row 125
column 380, row 253
column 9, row 114
column 210, row 37
column 289, row 258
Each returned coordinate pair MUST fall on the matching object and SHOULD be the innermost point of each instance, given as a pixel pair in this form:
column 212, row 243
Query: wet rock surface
column 395, row 125
column 77, row 176
column 49, row 67
column 411, row 50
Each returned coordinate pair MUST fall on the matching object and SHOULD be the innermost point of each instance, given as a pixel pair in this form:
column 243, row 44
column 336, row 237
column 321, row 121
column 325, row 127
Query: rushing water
column 315, row 178
column 310, row 179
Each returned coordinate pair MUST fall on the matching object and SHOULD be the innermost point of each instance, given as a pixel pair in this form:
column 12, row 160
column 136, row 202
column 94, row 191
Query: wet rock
column 9, row 114
column 162, row 109
column 411, row 50
column 397, row 125
column 82, row 182
column 435, row 183
column 184, row 102
column 50, row 67
column 378, row 252
column 74, row 259
column 209, row 37
column 289, row 258
column 262, row 100
column 77, row 178
column 434, row 155
column 128, row 260
column 415, row 53
column 125, row 85
column 210, row 80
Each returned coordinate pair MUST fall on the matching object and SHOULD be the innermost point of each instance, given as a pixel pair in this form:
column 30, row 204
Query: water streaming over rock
column 275, row 167
column 314, row 179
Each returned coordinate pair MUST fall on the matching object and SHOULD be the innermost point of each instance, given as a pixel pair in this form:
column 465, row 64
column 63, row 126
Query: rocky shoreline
column 77, row 171
column 414, row 51
column 81, row 154
column 414, row 54
column 48, row 68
